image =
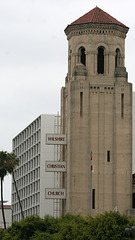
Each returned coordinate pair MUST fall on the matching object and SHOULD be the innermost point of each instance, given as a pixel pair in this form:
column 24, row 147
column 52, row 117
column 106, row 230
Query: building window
column 108, row 156
column 117, row 58
column 82, row 55
column 122, row 105
column 133, row 200
column 81, row 103
column 100, row 60
column 93, row 198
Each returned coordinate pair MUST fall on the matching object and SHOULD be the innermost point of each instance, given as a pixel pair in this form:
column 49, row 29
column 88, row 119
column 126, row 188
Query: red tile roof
column 97, row 15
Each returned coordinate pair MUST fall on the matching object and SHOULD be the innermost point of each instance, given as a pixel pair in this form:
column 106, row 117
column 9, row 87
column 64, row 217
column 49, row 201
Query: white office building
column 31, row 178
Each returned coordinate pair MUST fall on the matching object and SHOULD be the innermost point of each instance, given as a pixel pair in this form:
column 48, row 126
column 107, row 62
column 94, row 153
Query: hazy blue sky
column 33, row 57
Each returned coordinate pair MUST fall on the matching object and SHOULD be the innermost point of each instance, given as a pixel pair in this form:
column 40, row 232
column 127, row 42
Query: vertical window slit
column 108, row 156
column 100, row 60
column 117, row 58
column 122, row 105
column 82, row 56
column 81, row 103
column 93, row 198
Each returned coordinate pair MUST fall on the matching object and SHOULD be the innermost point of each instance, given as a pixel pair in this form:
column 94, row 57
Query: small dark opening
column 81, row 104
column 117, row 58
column 82, row 55
column 122, row 105
column 133, row 200
column 108, row 156
column 100, row 60
column 93, row 198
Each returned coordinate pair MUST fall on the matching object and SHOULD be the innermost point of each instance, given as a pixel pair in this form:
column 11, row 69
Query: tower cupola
column 96, row 37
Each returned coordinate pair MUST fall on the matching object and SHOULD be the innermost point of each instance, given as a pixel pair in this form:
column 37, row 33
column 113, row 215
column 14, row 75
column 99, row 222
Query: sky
column 33, row 58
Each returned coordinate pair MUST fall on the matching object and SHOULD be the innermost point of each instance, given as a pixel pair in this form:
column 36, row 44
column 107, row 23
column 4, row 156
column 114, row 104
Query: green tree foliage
column 107, row 226
column 8, row 162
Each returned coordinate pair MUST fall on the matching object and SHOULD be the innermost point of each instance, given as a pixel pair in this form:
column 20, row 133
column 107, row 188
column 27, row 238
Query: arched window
column 117, row 58
column 100, row 60
column 82, row 55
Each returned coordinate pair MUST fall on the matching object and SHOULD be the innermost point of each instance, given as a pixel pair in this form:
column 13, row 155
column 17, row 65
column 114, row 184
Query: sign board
column 55, row 139
column 55, row 193
column 55, row 166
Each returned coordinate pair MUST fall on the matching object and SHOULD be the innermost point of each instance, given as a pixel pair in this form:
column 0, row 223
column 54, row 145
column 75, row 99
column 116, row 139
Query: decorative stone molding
column 90, row 28
column 92, row 52
column 101, row 89
column 121, row 72
column 79, row 70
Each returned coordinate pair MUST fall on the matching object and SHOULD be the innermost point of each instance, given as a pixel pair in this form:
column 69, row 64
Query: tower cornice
column 96, row 28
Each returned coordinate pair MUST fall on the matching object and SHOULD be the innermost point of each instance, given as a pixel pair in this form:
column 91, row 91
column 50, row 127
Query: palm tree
column 13, row 162
column 18, row 195
column 8, row 162
column 3, row 173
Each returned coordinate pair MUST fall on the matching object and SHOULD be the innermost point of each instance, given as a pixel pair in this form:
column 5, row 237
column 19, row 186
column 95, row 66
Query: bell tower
column 96, row 116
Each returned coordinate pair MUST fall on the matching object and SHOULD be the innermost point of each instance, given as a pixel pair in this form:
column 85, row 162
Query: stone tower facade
column 96, row 116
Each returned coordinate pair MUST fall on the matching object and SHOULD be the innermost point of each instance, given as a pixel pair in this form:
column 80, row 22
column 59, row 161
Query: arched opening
column 100, row 60
column 82, row 55
column 117, row 58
